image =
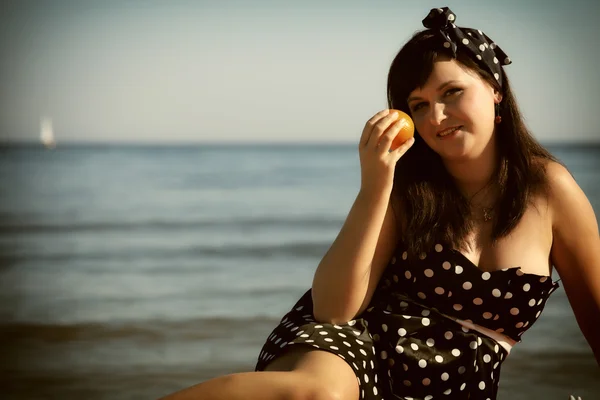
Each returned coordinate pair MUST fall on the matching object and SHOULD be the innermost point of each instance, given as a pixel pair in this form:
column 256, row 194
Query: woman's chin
column 463, row 150
column 455, row 153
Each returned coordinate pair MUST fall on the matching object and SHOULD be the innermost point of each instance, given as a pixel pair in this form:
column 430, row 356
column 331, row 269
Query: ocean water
column 129, row 272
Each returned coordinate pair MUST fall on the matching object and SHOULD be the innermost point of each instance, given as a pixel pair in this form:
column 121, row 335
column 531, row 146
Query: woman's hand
column 377, row 162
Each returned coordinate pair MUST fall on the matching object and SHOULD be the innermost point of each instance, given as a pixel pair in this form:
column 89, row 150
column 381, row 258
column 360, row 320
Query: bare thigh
column 325, row 369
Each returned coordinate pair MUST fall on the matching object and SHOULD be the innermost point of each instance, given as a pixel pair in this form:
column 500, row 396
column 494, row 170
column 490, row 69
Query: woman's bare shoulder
column 557, row 178
column 569, row 206
column 555, row 170
column 560, row 182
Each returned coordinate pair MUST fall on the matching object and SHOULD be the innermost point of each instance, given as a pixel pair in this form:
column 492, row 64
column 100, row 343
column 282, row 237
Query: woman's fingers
column 403, row 148
column 375, row 127
column 386, row 139
column 364, row 138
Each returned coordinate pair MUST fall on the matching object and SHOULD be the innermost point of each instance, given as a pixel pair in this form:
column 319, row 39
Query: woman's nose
column 437, row 114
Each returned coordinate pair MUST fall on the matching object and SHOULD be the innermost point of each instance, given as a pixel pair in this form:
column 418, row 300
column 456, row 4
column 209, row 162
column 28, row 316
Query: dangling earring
column 498, row 118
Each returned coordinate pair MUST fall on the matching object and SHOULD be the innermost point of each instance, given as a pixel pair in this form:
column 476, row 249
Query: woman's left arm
column 576, row 251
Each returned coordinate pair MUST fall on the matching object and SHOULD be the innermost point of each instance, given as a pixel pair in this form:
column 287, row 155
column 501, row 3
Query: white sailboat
column 47, row 133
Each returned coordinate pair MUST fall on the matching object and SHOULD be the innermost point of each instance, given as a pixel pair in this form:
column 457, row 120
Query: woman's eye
column 418, row 106
column 453, row 91
column 448, row 92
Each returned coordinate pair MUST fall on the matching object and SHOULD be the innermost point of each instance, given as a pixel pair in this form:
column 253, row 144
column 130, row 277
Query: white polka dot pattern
column 404, row 337
column 474, row 42
column 496, row 300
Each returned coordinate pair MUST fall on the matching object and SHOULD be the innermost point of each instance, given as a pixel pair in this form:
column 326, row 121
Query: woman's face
column 454, row 97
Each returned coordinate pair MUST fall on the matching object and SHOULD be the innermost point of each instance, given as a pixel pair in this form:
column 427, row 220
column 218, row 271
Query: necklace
column 487, row 213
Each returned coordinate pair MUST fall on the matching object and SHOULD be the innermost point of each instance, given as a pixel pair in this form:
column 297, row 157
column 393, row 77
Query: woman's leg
column 302, row 373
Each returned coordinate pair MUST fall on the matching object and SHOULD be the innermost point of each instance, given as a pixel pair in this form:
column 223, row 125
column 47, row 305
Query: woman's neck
column 473, row 176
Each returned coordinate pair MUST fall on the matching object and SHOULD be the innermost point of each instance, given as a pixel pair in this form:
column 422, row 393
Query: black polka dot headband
column 486, row 53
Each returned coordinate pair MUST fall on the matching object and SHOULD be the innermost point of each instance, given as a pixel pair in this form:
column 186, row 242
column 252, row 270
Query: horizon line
column 240, row 143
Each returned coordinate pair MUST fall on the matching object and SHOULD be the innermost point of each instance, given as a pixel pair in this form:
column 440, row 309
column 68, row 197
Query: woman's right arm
column 349, row 272
column 347, row 275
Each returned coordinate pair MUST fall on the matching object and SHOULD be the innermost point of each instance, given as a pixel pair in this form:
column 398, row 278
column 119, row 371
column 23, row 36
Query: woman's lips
column 444, row 134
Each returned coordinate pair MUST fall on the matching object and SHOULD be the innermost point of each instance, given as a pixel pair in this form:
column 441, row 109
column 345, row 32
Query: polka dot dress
column 406, row 343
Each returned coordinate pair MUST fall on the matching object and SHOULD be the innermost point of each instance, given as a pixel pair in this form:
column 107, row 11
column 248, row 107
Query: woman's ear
column 497, row 97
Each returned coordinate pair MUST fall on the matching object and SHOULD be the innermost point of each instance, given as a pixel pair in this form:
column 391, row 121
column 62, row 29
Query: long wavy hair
column 425, row 198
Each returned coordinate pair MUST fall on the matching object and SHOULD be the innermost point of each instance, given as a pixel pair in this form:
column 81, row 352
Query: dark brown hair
column 432, row 208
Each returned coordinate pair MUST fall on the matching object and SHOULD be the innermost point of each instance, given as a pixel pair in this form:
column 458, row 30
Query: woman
column 445, row 258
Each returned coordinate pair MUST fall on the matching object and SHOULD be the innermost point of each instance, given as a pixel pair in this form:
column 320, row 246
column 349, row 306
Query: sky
column 267, row 70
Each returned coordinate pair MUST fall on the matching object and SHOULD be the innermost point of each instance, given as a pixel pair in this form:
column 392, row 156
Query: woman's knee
column 330, row 377
column 332, row 392
column 321, row 375
column 316, row 389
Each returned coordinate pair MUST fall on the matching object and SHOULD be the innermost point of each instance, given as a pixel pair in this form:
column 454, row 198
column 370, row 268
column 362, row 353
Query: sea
column 130, row 271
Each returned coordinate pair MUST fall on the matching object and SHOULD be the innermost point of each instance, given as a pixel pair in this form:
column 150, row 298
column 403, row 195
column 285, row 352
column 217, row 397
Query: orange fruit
column 407, row 129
